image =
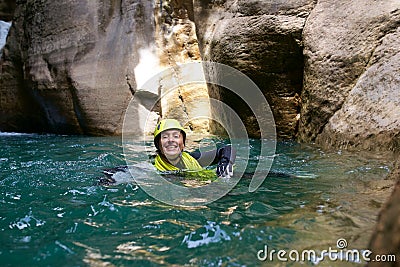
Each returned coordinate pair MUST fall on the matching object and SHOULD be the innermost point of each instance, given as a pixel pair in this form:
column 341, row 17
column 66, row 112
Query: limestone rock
column 262, row 39
column 73, row 67
column 178, row 45
column 69, row 65
column 350, row 97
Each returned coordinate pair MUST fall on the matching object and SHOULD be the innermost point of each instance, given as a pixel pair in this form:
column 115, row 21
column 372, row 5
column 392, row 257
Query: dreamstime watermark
column 340, row 253
column 223, row 76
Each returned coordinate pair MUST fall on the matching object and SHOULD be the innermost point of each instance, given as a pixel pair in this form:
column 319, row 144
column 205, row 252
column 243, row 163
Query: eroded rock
column 67, row 66
column 177, row 43
column 73, row 67
column 262, row 39
column 350, row 97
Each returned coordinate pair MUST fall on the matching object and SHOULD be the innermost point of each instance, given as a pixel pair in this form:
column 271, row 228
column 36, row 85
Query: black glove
column 225, row 168
column 226, row 157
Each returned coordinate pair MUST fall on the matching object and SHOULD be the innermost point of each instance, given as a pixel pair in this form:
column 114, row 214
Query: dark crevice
column 7, row 9
column 79, row 114
column 131, row 88
column 185, row 109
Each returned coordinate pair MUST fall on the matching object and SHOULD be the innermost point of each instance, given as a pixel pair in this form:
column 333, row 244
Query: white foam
column 15, row 134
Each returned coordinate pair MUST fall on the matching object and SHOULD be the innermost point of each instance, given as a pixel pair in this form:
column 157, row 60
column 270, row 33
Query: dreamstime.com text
column 316, row 256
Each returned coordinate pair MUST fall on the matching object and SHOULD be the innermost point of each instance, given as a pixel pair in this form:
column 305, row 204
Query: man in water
column 169, row 139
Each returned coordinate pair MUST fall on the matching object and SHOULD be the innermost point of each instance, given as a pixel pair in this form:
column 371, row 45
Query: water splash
column 26, row 222
column 217, row 235
column 106, row 203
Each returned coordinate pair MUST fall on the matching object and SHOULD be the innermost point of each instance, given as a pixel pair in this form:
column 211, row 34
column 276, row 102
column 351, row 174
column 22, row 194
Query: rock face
column 386, row 238
column 7, row 8
column 351, row 91
column 73, row 67
column 69, row 67
column 329, row 69
column 177, row 43
column 262, row 39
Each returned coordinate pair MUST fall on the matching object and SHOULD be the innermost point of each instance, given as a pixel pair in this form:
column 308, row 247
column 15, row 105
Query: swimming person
column 169, row 140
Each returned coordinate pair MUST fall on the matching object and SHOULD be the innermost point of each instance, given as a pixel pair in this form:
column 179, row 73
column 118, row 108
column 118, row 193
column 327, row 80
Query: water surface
column 53, row 213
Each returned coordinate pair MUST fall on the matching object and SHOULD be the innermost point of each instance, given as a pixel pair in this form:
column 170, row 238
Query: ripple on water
column 52, row 213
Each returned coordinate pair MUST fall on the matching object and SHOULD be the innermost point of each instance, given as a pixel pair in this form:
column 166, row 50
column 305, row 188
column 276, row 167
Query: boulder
column 350, row 98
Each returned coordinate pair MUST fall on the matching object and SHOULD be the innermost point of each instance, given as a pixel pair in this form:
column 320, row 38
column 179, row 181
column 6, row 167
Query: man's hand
column 224, row 168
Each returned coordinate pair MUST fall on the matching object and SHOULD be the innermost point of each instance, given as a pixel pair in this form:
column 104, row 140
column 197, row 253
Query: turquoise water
column 53, row 213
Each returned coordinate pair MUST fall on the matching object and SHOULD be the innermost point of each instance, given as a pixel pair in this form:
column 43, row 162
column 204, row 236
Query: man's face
column 171, row 143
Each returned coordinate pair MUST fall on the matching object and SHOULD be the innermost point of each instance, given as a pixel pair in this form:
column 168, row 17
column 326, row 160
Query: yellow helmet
column 167, row 124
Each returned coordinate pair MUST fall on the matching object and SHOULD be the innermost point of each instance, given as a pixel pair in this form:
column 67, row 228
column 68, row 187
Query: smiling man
column 169, row 139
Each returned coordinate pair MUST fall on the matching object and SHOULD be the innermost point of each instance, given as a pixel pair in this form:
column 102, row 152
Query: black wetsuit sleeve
column 205, row 158
column 214, row 156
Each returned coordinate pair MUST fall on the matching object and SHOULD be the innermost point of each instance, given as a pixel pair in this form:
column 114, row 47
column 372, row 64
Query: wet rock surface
column 385, row 242
column 73, row 67
column 350, row 94
column 262, row 39
column 68, row 67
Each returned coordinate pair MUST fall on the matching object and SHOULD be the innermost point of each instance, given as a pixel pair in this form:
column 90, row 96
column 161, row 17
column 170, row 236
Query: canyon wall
column 186, row 100
column 68, row 67
column 262, row 39
column 329, row 69
column 73, row 67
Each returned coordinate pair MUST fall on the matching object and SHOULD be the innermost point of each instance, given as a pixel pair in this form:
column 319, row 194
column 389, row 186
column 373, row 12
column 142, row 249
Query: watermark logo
column 341, row 243
column 224, row 77
column 340, row 253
